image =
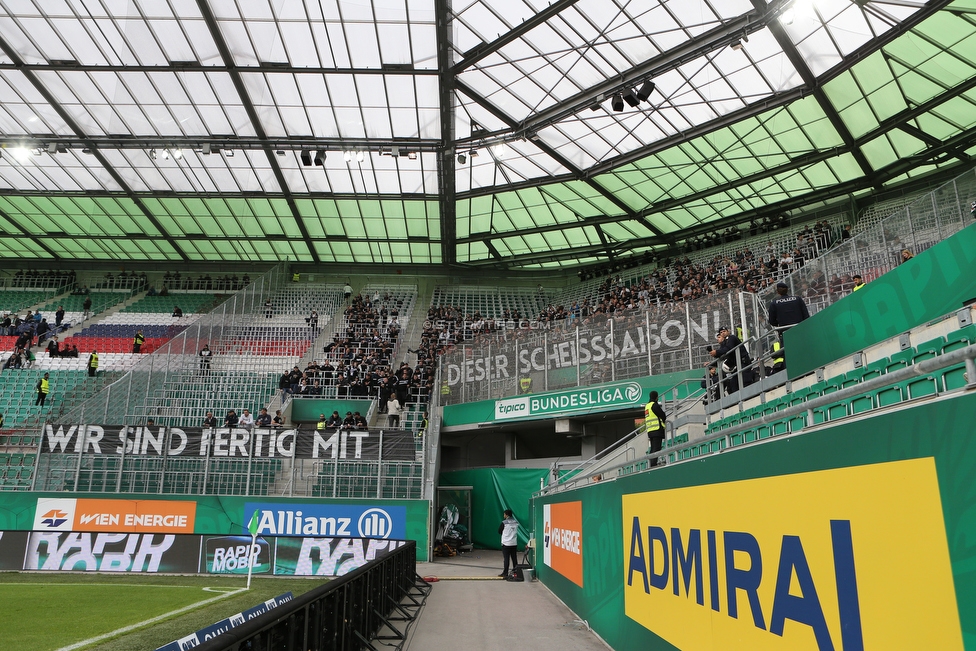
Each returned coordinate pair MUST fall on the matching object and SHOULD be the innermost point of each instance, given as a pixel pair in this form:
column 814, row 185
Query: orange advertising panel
column 563, row 539
column 116, row 516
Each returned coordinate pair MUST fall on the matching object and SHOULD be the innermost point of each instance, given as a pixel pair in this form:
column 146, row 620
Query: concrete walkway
column 469, row 607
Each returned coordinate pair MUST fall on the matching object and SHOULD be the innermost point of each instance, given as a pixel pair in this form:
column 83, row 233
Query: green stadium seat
column 837, row 410
column 852, row 377
column 954, row 377
column 890, row 395
column 928, row 349
column 921, row 386
column 959, row 339
column 903, row 356
column 862, row 403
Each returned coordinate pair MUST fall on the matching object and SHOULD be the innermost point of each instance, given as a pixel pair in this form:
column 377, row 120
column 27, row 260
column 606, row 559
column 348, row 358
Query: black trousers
column 657, row 441
column 510, row 552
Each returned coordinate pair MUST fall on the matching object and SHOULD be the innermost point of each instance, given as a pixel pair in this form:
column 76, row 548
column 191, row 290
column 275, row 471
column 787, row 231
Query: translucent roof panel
column 551, row 134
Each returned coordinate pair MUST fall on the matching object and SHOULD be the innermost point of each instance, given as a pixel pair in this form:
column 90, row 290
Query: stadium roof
column 458, row 132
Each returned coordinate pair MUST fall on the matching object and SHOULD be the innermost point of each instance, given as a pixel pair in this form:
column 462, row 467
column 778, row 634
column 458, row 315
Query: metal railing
column 377, row 602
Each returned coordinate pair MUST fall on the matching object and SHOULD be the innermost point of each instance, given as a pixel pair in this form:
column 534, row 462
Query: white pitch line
column 114, row 585
column 133, row 627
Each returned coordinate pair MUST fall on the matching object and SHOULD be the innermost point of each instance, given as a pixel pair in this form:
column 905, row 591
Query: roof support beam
column 79, row 132
column 238, row 81
column 479, row 52
column 562, row 160
column 193, row 66
column 36, row 240
column 690, row 50
column 196, row 143
column 446, row 170
column 811, row 82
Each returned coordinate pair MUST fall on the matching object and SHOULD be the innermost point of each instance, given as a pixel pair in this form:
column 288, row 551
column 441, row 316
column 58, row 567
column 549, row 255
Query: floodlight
column 645, row 90
column 347, row 156
column 462, row 159
column 152, row 154
column 320, row 157
column 178, row 154
column 360, row 156
column 631, row 97
column 165, row 154
column 736, row 45
column 306, row 156
column 52, row 148
column 617, row 103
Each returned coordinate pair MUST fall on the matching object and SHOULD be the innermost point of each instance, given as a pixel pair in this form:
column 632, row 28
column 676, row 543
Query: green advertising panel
column 860, row 536
column 307, row 410
column 933, row 283
column 218, row 515
column 611, row 396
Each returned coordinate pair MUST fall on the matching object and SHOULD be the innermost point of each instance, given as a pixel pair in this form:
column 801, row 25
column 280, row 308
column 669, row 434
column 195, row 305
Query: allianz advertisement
column 609, row 396
column 847, row 559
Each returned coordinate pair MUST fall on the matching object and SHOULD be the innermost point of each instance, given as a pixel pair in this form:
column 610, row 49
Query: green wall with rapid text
column 933, row 283
column 862, row 532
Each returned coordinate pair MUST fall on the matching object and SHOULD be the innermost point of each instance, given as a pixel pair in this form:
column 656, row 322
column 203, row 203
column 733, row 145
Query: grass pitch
column 46, row 612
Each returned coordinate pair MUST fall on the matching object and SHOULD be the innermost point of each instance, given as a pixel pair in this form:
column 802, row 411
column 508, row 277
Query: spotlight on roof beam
column 306, row 157
column 280, row 152
column 177, row 154
column 165, row 154
column 320, row 157
column 631, row 97
column 462, row 159
column 152, row 154
column 347, row 156
column 360, row 156
column 645, row 90
column 736, row 45
column 617, row 103
column 212, row 148
column 412, row 155
column 52, row 148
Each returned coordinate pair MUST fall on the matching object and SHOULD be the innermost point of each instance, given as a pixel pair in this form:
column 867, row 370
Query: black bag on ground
column 516, row 574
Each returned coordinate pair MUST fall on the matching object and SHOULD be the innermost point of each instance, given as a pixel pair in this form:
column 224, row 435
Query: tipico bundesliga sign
column 609, row 396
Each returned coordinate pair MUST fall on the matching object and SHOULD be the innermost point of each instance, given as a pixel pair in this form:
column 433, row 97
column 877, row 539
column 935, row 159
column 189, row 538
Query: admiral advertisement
column 225, row 442
column 562, row 540
column 847, row 558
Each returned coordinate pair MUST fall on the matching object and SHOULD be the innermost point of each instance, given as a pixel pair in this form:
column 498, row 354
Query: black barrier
column 375, row 602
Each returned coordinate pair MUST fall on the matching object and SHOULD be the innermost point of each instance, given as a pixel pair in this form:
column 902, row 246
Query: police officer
column 654, row 418
column 729, row 345
column 785, row 311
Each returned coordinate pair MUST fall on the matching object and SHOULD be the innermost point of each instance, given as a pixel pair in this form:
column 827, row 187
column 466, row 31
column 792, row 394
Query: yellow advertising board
column 845, row 559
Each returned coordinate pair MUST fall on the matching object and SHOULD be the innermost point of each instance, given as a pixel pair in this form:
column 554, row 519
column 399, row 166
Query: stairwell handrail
column 967, row 355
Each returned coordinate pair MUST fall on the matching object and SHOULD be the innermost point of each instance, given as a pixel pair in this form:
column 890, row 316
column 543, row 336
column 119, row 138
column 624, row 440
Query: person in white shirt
column 246, row 420
column 509, row 533
column 393, row 409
